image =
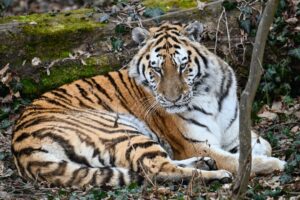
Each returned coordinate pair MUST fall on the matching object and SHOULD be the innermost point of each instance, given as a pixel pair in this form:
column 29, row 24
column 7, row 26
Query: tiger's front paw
column 205, row 163
column 221, row 176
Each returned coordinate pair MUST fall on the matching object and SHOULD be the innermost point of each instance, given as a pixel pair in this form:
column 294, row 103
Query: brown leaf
column 36, row 61
column 277, row 107
column 4, row 70
column 267, row 113
column 292, row 20
column 295, row 129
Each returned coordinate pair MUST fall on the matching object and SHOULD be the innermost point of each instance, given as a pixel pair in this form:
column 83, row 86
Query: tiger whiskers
column 150, row 109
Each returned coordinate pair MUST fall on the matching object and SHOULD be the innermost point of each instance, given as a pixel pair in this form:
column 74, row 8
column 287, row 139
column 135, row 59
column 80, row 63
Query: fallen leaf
column 4, row 70
column 277, row 107
column 295, row 129
column 292, row 20
column 36, row 61
column 200, row 5
column 297, row 114
column 33, row 23
column 268, row 115
column 83, row 62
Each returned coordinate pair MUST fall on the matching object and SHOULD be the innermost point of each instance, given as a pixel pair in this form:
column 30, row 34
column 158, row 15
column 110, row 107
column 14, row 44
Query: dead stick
column 247, row 98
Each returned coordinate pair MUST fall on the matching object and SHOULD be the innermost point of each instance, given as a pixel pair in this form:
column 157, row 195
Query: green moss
column 29, row 86
column 65, row 74
column 166, row 5
column 3, row 48
column 50, row 37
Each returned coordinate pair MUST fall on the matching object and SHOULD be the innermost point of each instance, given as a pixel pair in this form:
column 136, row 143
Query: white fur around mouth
column 176, row 108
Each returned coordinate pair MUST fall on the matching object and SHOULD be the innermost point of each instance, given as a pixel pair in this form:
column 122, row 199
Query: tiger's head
column 170, row 63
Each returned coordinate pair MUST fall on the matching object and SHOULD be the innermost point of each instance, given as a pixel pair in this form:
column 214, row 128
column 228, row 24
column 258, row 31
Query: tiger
column 172, row 114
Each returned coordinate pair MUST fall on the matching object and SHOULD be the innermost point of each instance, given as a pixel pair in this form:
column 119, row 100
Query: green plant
column 282, row 53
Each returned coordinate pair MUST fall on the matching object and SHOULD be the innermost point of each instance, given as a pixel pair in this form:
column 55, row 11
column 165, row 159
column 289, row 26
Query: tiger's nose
column 174, row 100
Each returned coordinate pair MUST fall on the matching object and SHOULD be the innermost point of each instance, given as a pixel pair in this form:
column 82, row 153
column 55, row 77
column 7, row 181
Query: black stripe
column 94, row 178
column 82, row 104
column 74, row 176
column 202, row 57
column 174, row 38
column 37, row 164
column 138, row 65
column 149, row 155
column 176, row 33
column 194, row 107
column 54, row 102
column 234, row 117
column 162, row 165
column 159, row 40
column 103, row 104
column 60, row 96
column 138, row 145
column 189, row 139
column 78, row 123
column 29, row 150
column 124, row 83
column 31, row 114
column 112, row 81
column 198, row 67
column 144, row 70
column 225, row 93
column 193, row 121
column 121, row 178
column 88, row 82
column 107, row 173
column 84, row 93
column 59, row 171
column 64, row 91
column 101, row 90
column 67, row 147
column 22, row 137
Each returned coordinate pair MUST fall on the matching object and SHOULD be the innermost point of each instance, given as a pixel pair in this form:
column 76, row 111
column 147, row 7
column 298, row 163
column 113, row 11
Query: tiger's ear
column 193, row 31
column 140, row 35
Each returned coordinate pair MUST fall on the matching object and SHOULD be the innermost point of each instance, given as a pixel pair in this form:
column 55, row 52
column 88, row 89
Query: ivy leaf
column 122, row 29
column 5, row 124
column 246, row 25
column 229, row 5
column 7, row 2
column 104, row 18
column 295, row 53
column 153, row 12
column 117, row 44
column 285, row 178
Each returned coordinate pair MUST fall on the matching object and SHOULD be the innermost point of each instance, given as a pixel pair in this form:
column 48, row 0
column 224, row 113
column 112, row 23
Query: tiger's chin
column 176, row 109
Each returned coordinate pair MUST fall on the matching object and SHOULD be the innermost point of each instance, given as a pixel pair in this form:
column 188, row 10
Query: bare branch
column 247, row 98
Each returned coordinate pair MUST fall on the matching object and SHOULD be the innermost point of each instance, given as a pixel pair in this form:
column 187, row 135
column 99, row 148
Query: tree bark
column 247, row 98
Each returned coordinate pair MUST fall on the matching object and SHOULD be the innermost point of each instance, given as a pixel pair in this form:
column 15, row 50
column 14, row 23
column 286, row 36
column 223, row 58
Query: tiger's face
column 166, row 65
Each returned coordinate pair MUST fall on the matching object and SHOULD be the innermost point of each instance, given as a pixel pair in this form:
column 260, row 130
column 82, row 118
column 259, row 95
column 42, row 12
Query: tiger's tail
column 67, row 173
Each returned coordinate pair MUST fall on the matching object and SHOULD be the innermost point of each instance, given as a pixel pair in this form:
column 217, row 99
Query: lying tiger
column 172, row 114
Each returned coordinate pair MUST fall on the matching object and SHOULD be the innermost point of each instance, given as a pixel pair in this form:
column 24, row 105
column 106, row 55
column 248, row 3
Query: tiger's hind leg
column 153, row 161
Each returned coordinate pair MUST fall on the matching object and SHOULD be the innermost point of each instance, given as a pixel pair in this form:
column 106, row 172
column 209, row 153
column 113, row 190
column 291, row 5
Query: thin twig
column 218, row 27
column 227, row 29
column 177, row 12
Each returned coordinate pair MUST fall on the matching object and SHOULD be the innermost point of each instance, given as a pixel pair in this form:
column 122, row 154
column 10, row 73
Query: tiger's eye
column 157, row 69
column 182, row 67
